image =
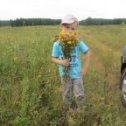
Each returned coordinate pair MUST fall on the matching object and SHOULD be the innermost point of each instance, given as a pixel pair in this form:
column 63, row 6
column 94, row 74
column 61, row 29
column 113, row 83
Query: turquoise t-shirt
column 75, row 63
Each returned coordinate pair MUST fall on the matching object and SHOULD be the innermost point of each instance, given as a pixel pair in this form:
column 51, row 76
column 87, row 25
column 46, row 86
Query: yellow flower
column 68, row 38
column 62, row 33
column 69, row 42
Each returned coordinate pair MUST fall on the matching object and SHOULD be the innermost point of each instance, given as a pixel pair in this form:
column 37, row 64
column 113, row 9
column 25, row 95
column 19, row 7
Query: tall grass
column 30, row 93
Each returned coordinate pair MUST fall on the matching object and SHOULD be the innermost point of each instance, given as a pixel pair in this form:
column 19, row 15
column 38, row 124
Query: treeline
column 100, row 21
column 5, row 23
column 41, row 21
column 29, row 22
column 34, row 21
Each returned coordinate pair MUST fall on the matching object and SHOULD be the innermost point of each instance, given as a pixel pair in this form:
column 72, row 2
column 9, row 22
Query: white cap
column 68, row 19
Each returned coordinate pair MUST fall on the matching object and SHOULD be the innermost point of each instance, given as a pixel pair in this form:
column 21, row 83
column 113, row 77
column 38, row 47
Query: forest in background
column 44, row 21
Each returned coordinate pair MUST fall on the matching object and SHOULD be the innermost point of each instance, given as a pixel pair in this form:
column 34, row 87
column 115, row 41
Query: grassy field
column 30, row 93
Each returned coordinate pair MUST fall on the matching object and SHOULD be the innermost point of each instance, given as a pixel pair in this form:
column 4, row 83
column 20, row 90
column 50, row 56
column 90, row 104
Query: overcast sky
column 12, row 9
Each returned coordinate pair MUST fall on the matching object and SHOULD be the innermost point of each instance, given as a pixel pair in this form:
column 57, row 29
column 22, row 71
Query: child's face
column 69, row 27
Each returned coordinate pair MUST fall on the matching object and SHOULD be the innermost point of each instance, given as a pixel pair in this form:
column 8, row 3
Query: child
column 74, row 82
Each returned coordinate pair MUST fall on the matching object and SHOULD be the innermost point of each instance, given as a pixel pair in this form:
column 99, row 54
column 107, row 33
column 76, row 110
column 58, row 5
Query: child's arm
column 62, row 62
column 84, row 69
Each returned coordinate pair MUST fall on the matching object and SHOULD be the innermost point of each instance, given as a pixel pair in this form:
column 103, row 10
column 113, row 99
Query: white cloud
column 11, row 9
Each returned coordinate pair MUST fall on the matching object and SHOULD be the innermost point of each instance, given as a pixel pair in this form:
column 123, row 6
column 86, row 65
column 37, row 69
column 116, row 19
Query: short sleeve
column 55, row 50
column 83, row 47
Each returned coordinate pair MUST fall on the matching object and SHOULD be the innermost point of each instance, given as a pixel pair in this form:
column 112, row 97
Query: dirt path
column 106, row 61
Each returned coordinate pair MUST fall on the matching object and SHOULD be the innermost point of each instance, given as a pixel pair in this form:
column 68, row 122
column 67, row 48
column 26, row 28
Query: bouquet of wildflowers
column 68, row 41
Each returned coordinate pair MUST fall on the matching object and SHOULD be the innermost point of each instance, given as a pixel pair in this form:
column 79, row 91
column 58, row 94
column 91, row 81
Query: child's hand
column 65, row 62
column 83, row 73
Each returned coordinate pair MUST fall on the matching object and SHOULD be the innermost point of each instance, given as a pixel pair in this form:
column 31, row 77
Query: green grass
column 30, row 93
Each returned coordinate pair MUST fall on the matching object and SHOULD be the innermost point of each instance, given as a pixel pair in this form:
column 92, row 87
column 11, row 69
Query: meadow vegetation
column 30, row 92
